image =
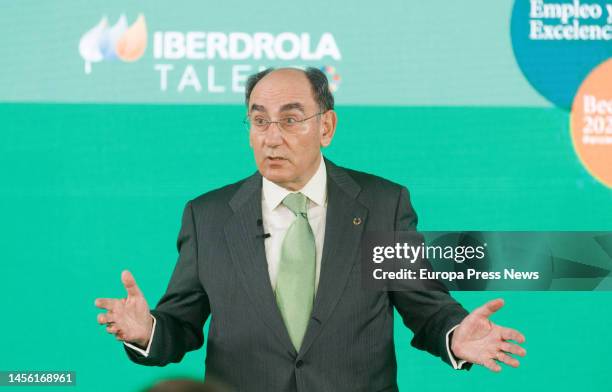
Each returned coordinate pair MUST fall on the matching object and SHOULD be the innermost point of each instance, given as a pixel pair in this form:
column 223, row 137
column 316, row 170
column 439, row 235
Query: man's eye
column 290, row 120
column 259, row 121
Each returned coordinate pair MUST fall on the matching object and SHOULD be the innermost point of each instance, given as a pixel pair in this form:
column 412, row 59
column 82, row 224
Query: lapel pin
column 356, row 221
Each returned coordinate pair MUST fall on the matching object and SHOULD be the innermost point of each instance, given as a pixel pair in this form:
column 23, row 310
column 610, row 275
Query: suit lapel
column 344, row 225
column 249, row 257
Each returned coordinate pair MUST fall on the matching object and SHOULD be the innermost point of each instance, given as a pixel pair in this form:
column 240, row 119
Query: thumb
column 130, row 284
column 489, row 308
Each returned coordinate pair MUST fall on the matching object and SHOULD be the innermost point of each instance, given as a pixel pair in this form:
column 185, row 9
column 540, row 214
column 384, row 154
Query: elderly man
column 273, row 259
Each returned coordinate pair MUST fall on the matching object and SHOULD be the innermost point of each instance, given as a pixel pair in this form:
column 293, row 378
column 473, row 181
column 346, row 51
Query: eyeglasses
column 289, row 124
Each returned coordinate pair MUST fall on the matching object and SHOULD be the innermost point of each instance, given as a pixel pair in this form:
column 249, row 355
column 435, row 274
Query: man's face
column 288, row 159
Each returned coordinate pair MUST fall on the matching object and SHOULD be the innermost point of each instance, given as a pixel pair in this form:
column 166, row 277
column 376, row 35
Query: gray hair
column 318, row 83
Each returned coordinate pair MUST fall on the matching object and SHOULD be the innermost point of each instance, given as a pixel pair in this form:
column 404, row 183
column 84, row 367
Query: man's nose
column 274, row 135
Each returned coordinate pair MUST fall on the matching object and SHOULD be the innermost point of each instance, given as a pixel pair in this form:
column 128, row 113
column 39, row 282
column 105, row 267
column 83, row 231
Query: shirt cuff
column 145, row 353
column 457, row 365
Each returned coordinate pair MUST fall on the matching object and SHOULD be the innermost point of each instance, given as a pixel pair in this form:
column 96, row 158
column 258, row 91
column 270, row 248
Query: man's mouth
column 276, row 158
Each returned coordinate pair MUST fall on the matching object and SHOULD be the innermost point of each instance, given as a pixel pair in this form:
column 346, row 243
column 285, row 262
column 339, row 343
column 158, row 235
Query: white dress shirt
column 277, row 218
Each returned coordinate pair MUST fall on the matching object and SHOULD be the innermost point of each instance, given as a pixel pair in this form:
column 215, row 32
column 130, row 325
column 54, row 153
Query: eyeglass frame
column 247, row 123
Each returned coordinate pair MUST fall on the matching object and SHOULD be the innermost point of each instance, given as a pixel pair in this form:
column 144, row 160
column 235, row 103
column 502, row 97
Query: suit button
column 299, row 364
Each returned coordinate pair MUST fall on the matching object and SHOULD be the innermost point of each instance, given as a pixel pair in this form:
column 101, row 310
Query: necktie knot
column 296, row 202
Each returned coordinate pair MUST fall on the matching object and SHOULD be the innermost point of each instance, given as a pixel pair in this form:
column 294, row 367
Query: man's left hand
column 479, row 341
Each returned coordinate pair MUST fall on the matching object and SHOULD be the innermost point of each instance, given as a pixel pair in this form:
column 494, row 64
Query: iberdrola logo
column 104, row 42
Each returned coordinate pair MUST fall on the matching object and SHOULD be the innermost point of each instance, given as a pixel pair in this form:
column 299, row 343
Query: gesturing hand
column 128, row 318
column 478, row 340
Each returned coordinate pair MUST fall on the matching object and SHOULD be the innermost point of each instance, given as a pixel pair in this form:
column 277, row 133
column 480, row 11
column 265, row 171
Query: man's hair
column 318, row 83
column 186, row 385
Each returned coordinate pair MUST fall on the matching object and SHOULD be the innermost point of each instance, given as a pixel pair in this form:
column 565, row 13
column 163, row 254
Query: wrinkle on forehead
column 283, row 90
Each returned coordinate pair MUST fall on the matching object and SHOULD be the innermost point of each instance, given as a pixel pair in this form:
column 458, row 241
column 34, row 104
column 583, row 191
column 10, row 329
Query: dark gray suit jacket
column 222, row 272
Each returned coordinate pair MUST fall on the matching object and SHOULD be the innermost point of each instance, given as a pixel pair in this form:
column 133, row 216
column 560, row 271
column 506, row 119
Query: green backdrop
column 89, row 189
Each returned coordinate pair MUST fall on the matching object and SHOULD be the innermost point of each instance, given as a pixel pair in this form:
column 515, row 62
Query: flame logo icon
column 104, row 42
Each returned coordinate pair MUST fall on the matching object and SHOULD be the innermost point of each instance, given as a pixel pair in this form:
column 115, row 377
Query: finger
column 512, row 334
column 130, row 284
column 106, row 303
column 489, row 308
column 491, row 365
column 507, row 359
column 512, row 349
column 105, row 318
column 112, row 328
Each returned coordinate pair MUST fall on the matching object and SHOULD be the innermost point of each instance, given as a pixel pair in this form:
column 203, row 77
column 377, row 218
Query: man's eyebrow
column 259, row 108
column 291, row 106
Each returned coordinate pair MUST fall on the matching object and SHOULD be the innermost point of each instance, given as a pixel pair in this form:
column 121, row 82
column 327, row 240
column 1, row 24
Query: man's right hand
column 128, row 318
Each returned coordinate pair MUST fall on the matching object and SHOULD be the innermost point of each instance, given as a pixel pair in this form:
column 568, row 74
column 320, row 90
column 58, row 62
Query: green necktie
column 296, row 274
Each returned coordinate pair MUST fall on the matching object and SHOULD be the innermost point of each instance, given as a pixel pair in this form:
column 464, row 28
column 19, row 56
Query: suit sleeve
column 182, row 311
column 430, row 313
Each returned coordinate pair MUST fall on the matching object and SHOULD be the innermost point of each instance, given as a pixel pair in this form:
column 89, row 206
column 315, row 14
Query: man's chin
column 276, row 174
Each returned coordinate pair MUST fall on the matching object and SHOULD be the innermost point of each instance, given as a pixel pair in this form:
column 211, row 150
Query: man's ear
column 328, row 127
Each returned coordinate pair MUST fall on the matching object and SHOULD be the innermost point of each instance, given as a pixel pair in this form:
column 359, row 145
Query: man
column 273, row 259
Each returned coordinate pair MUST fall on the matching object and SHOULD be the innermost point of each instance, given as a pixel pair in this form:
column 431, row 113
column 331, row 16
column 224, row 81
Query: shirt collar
column 315, row 189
